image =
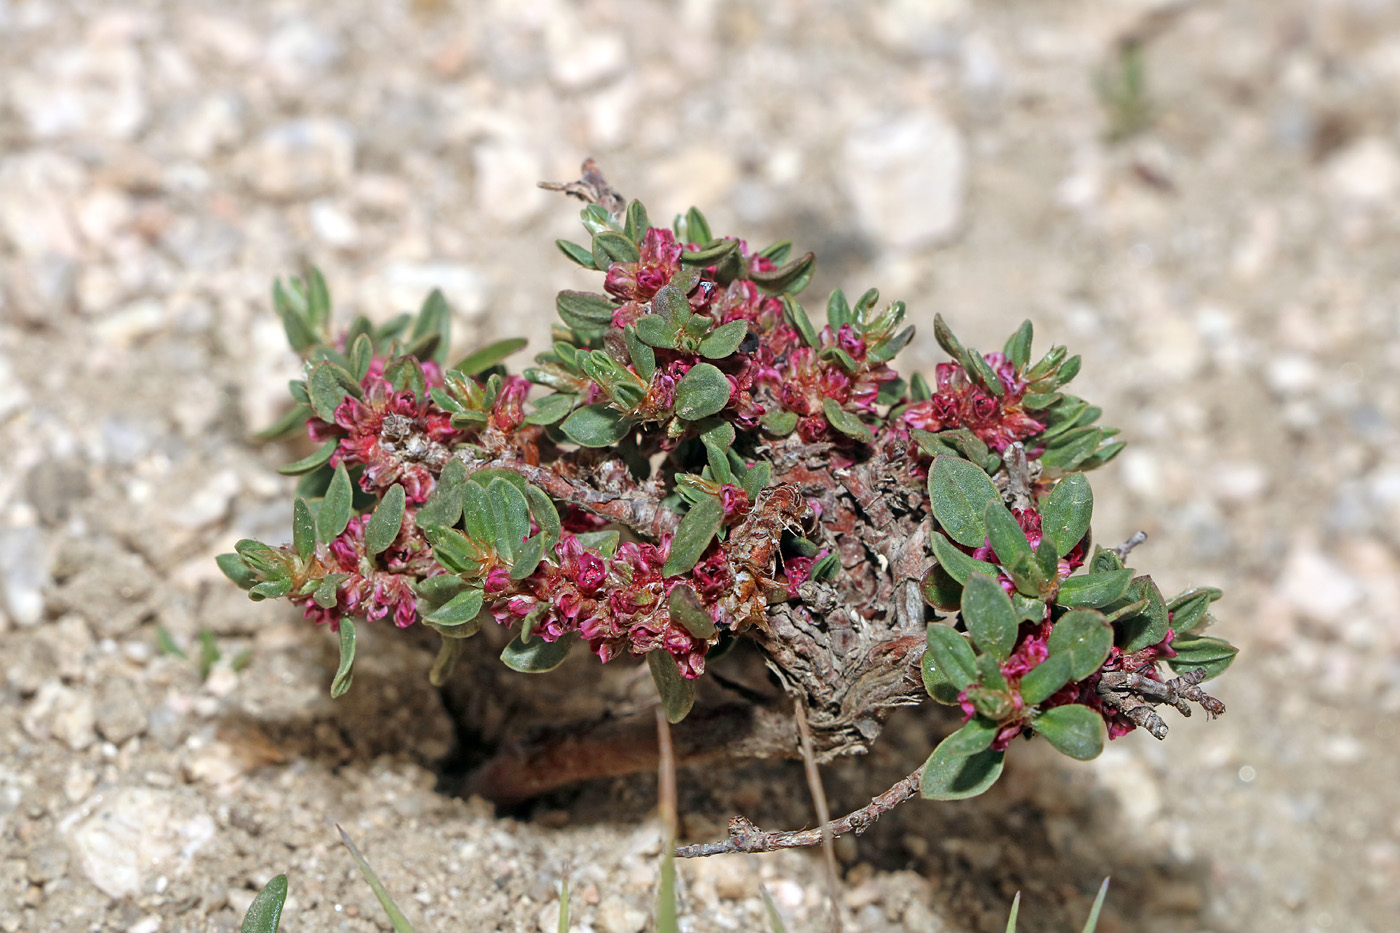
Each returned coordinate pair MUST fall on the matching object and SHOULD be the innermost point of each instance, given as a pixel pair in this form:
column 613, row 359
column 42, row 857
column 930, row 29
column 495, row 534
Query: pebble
column 1366, row 172
column 120, row 714
column 906, row 177
column 301, row 159
column 24, row 572
column 614, row 915
column 136, row 834
column 1318, row 587
column 508, row 172
column 61, row 713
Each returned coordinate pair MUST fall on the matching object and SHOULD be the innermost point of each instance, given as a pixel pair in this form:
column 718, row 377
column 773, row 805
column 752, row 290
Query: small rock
column 120, row 715
column 1318, row 587
column 549, row 918
column 138, row 833
column 1367, row 171
column 907, row 178
column 617, row 916
column 24, row 572
column 333, row 224
column 37, row 192
column 61, row 713
column 507, row 177
column 585, row 59
column 301, row 159
column 47, row 861
column 404, row 285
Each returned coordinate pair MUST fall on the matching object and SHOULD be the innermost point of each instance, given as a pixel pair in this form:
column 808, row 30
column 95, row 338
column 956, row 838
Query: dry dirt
column 1229, row 275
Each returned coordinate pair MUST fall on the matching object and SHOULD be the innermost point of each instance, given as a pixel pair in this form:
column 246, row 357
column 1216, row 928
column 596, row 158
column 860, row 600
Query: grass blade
column 666, row 919
column 775, row 919
column 564, row 906
column 396, row 918
column 1093, row 921
column 1015, row 909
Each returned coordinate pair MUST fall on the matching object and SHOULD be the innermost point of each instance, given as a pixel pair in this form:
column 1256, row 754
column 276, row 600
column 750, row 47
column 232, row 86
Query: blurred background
column 1203, row 199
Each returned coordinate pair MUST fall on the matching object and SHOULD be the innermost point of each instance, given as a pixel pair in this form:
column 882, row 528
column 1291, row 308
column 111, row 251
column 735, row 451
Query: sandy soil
column 1228, row 275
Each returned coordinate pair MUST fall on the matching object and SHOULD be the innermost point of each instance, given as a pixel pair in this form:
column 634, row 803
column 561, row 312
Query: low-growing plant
column 695, row 462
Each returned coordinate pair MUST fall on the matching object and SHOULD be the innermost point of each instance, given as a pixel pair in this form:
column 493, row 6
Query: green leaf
column 687, row 609
column 790, row 277
column 975, row 735
column 1045, row 679
column 1189, row 609
column 537, row 656
column 271, row 589
column 938, row 686
column 1018, row 348
column 511, row 514
column 1149, row 625
column 697, row 529
column 940, row 590
column 596, row 425
column 489, row 356
column 949, row 776
column 636, row 223
column 779, row 422
column 609, row 247
column 797, row 317
column 960, row 493
column 444, row 505
column 712, row 253
column 724, row 340
column 1105, row 561
column 551, row 408
column 291, row 310
column 383, row 526
column 450, row 651
column 326, row 386
column 952, row 654
column 585, row 312
column 987, row 613
column 656, row 331
column 527, row 557
column 677, row 691
column 336, row 507
column 1085, row 637
column 1075, row 730
column 209, row 653
column 958, row 565
column 756, row 480
column 1012, row 549
column 577, row 253
column 1071, row 448
column 1094, row 590
column 240, row 573
column 345, row 672
column 1065, row 513
column 1192, row 651
column 848, row 423
column 327, row 594
column 309, row 463
column 265, row 913
column 702, row 391
column 695, row 227
column 303, row 529
column 642, row 356
column 545, row 514
column 1015, row 911
column 458, row 611
column 391, row 910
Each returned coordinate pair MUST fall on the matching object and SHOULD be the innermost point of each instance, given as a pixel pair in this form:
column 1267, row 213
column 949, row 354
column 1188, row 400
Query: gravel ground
column 1228, row 275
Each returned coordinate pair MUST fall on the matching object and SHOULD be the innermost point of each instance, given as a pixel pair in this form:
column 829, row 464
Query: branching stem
column 744, row 836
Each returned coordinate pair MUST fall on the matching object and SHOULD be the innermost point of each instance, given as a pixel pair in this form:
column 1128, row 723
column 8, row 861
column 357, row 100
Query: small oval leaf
column 345, row 672
column 677, row 692
column 1085, row 637
column 1065, row 513
column 596, row 425
column 952, row 654
column 702, row 391
column 383, row 526
column 697, row 529
column 537, row 656
column 949, row 776
column 1075, row 730
column 987, row 613
column 960, row 493
column 265, row 913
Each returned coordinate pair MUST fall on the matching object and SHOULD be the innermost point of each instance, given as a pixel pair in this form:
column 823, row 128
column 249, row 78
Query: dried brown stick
column 814, row 784
column 593, row 188
column 744, row 836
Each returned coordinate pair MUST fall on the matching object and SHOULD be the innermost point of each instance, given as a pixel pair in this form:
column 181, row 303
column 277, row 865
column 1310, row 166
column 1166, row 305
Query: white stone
column 580, row 59
column 1292, row 373
column 61, row 713
column 1316, row 586
column 333, row 224
column 301, row 159
column 136, row 834
column 37, row 192
column 507, row 189
column 907, row 178
column 1367, row 171
column 615, row 915
column 402, row 286
column 24, row 572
